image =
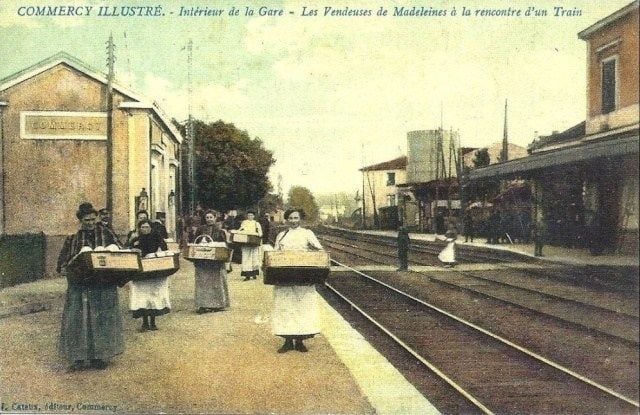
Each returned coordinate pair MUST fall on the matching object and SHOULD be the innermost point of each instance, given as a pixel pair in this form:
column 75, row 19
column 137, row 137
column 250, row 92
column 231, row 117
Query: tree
column 481, row 158
column 230, row 167
column 484, row 189
column 270, row 203
column 300, row 197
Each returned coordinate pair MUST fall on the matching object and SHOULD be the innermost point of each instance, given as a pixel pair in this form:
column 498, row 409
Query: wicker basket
column 296, row 267
column 207, row 251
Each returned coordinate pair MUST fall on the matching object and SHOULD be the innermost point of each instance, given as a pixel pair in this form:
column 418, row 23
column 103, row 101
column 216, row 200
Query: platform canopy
column 618, row 145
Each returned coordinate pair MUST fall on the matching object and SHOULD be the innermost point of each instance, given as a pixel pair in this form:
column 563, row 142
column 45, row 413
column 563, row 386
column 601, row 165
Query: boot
column 145, row 323
column 77, row 365
column 300, row 346
column 98, row 364
column 288, row 345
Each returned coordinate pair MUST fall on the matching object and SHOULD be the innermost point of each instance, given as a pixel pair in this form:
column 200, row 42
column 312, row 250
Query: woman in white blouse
column 295, row 311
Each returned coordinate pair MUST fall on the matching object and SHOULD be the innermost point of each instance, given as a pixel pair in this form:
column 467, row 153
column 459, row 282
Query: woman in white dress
column 448, row 255
column 250, row 254
column 295, row 309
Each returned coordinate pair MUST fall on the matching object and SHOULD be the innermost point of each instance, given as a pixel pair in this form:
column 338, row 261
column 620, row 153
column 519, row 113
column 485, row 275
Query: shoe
column 301, row 347
column 247, row 279
column 144, row 327
column 76, row 366
column 288, row 345
column 98, row 364
column 153, row 327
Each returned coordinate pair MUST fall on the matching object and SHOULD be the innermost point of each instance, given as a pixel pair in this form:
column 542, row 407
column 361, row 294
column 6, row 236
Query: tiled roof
column 75, row 63
column 399, row 163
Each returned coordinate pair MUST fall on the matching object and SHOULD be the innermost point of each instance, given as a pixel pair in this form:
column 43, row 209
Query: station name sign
column 63, row 125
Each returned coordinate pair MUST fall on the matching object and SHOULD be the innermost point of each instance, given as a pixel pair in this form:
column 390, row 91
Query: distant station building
column 56, row 153
column 380, row 191
column 585, row 179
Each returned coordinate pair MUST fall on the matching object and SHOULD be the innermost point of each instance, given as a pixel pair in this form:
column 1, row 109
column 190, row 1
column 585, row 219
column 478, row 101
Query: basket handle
column 202, row 237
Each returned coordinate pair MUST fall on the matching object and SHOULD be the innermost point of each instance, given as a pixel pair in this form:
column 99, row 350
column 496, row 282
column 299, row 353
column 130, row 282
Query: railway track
column 619, row 321
column 491, row 373
column 594, row 318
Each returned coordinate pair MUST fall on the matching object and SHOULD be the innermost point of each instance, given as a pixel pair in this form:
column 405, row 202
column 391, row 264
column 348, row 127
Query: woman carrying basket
column 211, row 292
column 91, row 330
column 149, row 298
column 250, row 254
column 295, row 307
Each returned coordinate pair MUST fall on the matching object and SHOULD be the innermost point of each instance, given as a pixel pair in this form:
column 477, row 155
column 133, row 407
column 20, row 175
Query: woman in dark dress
column 91, row 329
column 149, row 298
column 211, row 290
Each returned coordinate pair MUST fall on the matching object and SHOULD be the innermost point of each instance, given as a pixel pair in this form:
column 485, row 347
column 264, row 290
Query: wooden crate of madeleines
column 105, row 265
column 160, row 264
column 246, row 239
column 296, row 267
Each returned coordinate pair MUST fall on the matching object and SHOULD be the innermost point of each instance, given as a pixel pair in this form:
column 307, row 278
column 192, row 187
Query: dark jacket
column 149, row 243
column 213, row 231
column 100, row 236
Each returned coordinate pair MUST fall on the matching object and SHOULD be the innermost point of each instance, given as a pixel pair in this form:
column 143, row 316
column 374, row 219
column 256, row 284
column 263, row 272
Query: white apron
column 295, row 307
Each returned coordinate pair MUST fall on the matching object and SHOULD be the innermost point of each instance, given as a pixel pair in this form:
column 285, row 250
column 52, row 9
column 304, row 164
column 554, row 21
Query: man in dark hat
column 104, row 216
column 265, row 222
column 91, row 331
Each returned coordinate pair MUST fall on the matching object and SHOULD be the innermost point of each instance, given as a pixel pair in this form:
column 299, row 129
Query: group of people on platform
column 499, row 226
column 92, row 327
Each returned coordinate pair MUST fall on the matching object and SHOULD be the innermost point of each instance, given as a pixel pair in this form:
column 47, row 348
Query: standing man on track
column 403, row 248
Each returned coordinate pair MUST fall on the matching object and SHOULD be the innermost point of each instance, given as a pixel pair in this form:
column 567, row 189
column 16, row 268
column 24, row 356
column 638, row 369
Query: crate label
column 296, row 259
column 113, row 260
column 158, row 264
column 208, row 252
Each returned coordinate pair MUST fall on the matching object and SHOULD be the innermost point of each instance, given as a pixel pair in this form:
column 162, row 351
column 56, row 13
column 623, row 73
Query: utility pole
column 191, row 137
column 504, row 154
column 450, row 173
column 460, row 173
column 126, row 53
column 364, row 194
column 111, row 58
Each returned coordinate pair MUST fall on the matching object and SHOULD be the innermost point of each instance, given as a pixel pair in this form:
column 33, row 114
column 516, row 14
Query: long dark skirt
column 211, row 284
column 91, row 323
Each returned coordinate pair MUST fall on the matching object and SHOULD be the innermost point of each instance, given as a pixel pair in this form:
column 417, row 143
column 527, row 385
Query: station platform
column 223, row 362
column 570, row 256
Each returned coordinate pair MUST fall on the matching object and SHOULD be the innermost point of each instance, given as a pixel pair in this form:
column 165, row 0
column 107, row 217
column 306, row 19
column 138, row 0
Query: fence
column 22, row 258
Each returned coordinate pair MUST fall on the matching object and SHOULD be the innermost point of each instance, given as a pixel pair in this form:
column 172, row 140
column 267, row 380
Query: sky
column 328, row 94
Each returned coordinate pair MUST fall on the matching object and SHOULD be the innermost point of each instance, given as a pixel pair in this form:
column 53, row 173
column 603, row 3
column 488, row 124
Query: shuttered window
column 608, row 86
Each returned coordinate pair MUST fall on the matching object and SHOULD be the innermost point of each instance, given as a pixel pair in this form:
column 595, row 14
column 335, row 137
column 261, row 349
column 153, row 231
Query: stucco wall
column 45, row 180
column 378, row 180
